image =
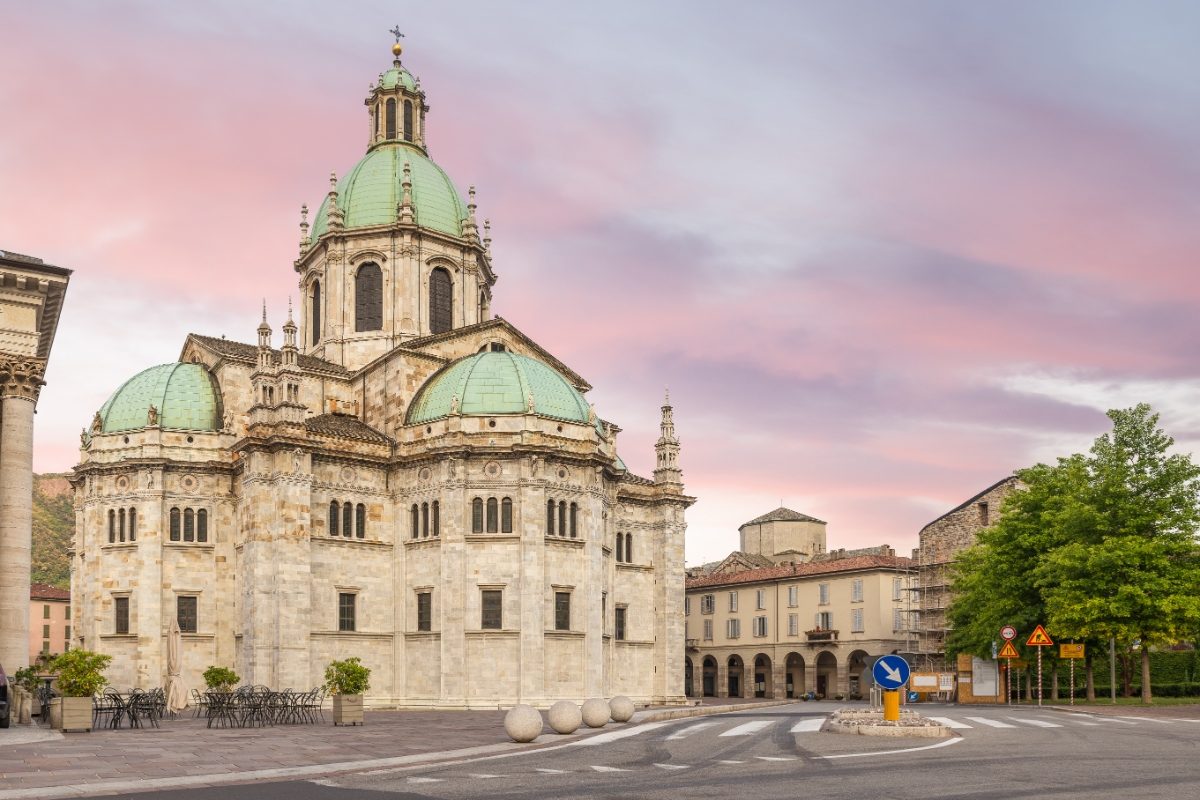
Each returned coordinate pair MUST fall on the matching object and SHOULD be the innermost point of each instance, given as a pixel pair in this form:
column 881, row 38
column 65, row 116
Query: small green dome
column 397, row 76
column 497, row 383
column 186, row 396
column 371, row 192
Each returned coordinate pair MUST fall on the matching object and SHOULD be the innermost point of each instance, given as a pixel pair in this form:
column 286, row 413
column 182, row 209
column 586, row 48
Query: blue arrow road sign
column 890, row 672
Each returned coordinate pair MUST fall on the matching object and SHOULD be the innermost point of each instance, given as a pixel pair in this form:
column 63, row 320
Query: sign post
column 1008, row 653
column 1071, row 652
column 890, row 673
column 1039, row 639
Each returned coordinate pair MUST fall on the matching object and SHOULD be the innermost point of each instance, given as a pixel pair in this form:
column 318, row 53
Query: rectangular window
column 121, row 607
column 793, row 624
column 856, row 620
column 347, row 619
column 68, row 614
column 45, row 631
column 707, row 603
column 491, row 604
column 562, row 611
column 856, row 591
column 897, row 588
column 733, row 628
column 760, row 626
column 45, row 647
column 67, row 633
column 424, row 611
column 619, row 631
column 687, row 606
column 793, row 596
column 45, row 611
column 823, row 593
column 708, row 633
column 760, row 598
column 185, row 610
column 825, row 620
column 897, row 620
column 733, row 601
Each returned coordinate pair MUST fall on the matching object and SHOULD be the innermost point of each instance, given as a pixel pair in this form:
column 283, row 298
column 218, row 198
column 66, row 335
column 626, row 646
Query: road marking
column 690, row 729
column 672, row 766
column 729, row 761
column 949, row 723
column 1151, row 719
column 808, row 725
column 995, row 723
column 943, row 743
column 425, row 780
column 481, row 775
column 551, row 771
column 605, row 738
column 1080, row 721
column 749, row 728
column 775, row 758
column 1114, row 719
column 608, row 769
column 1041, row 723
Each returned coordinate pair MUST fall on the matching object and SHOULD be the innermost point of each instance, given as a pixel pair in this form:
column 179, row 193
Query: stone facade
column 49, row 621
column 31, row 295
column 335, row 525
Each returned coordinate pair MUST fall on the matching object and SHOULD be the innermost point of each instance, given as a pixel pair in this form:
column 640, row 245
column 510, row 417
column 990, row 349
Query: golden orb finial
column 397, row 49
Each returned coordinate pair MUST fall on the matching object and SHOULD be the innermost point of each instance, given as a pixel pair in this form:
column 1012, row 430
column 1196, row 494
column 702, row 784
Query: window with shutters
column 121, row 525
column 112, row 526
column 897, row 588
column 368, row 298
column 825, row 620
column 733, row 628
column 708, row 603
column 492, row 613
column 687, row 606
column 629, row 548
column 733, row 601
column 823, row 594
column 315, row 316
column 441, row 301
column 793, row 624
column 549, row 517
column 897, row 620
column 856, row 590
column 793, row 596
column 760, row 599
column 185, row 606
column 424, row 520
column 562, row 611
column 708, row 630
column 424, row 611
column 856, row 620
column 760, row 626
column 620, row 547
column 574, row 520
column 347, row 611
column 121, row 612
column 347, row 520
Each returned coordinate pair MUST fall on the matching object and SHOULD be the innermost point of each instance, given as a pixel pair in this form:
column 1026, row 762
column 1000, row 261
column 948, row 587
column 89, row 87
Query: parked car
column 4, row 704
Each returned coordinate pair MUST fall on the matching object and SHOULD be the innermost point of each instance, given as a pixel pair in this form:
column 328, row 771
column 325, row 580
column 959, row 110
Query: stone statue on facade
column 97, row 423
column 152, row 416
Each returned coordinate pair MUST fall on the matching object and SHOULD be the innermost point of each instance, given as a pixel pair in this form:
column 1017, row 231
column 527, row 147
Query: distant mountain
column 53, row 530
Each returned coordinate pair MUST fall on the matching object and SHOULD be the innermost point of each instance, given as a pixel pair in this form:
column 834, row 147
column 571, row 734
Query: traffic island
column 872, row 723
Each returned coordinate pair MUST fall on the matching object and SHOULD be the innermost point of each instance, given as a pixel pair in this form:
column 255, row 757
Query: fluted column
column 20, row 382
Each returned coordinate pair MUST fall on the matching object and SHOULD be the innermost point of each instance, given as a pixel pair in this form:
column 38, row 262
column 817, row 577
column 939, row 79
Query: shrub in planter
column 220, row 679
column 347, row 680
column 839, row 696
column 80, row 675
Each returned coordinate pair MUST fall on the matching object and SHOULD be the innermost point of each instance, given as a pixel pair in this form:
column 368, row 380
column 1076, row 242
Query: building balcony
column 693, row 645
column 821, row 635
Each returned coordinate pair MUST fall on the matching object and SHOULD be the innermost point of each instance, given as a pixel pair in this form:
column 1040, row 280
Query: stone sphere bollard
column 523, row 723
column 622, row 708
column 565, row 717
column 595, row 713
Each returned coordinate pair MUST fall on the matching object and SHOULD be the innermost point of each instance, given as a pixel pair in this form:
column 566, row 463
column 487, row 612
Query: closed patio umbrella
column 176, row 692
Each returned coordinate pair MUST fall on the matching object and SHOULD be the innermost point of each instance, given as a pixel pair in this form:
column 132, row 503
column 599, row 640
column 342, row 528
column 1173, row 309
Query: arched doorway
column 687, row 677
column 737, row 669
column 859, row 678
column 794, row 674
column 763, row 684
column 826, row 674
column 710, row 677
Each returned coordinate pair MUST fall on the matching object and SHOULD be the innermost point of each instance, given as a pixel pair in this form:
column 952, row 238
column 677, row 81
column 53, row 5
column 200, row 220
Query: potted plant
column 346, row 681
column 80, row 676
column 220, row 679
column 26, row 679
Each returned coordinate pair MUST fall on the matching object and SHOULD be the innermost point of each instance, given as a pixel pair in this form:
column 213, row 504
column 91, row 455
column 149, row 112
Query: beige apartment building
column 49, row 621
column 782, row 617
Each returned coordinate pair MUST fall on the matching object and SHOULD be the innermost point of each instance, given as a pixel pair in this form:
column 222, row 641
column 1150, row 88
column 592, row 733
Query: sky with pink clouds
column 883, row 254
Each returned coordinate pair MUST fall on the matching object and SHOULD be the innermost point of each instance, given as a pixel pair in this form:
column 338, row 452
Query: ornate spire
column 667, row 447
column 405, row 213
column 487, row 238
column 471, row 229
column 289, row 351
column 335, row 217
column 304, row 240
column 264, row 340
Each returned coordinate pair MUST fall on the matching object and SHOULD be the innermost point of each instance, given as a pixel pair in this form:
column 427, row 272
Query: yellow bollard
column 891, row 706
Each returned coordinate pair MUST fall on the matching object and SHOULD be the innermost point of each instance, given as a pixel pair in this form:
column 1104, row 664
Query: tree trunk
column 1054, row 681
column 1091, row 681
column 1146, row 693
column 1126, row 674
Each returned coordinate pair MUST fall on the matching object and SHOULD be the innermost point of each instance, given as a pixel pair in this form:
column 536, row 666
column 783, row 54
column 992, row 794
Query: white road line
column 1151, row 719
column 949, row 723
column 749, row 728
column 672, row 766
column 775, row 758
column 727, row 761
column 995, row 723
column 481, row 775
column 943, row 743
column 808, row 725
column 1040, row 723
column 605, row 738
column 608, row 769
column 690, row 729
column 425, row 780
column 545, row 771
column 1080, row 720
column 1115, row 719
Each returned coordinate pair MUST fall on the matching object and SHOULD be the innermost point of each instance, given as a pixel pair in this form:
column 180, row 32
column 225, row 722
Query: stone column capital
column 21, row 376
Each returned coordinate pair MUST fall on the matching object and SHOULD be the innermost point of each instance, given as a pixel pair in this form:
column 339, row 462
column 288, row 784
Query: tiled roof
column 44, row 591
column 782, row 514
column 784, row 571
column 344, row 426
column 249, row 352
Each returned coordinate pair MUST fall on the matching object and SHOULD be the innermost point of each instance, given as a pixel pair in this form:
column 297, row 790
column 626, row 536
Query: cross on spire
column 396, row 32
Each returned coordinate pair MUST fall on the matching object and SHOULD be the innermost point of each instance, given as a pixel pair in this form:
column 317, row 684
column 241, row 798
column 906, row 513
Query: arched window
column 408, row 120
column 477, row 515
column 334, row 516
column 390, row 118
column 620, row 547
column 360, row 521
column 133, row 524
column 174, row 524
column 202, row 525
column 368, row 298
column 315, row 316
column 416, row 521
column 424, row 520
column 437, row 518
column 629, row 548
column 574, row 520
column 121, row 525
column 491, row 515
column 112, row 526
column 347, row 520
column 562, row 517
column 375, row 118
column 549, row 517
column 506, row 515
column 441, row 301
column 189, row 525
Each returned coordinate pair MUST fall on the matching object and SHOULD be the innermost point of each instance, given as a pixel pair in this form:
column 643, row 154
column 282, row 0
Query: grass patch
column 1127, row 701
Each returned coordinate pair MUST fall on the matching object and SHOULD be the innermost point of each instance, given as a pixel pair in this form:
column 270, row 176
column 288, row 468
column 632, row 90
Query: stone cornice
column 21, row 376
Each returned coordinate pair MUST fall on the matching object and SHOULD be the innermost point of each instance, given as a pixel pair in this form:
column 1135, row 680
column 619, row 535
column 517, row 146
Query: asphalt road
column 998, row 753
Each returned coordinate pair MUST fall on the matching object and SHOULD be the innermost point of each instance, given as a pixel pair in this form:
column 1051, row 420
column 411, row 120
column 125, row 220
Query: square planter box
column 71, row 713
column 347, row 709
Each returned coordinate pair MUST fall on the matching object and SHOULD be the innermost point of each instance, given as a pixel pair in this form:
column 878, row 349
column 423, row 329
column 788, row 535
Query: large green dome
column 371, row 192
column 497, row 383
column 186, row 396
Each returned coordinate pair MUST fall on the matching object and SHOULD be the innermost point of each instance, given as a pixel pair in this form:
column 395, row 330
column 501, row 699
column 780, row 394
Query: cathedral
column 406, row 478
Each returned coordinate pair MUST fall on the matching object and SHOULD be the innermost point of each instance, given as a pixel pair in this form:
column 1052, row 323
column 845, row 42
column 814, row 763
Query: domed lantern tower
column 394, row 252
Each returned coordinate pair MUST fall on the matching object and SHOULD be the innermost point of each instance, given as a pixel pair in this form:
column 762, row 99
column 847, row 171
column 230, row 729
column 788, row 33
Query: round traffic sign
column 890, row 672
column 1008, row 633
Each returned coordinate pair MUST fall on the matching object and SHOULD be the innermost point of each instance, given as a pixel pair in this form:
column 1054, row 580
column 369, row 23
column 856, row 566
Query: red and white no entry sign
column 1008, row 633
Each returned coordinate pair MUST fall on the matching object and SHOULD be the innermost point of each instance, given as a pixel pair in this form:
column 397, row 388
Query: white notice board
column 984, row 682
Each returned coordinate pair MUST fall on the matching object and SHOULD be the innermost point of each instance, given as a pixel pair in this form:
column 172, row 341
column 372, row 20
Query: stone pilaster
column 20, row 382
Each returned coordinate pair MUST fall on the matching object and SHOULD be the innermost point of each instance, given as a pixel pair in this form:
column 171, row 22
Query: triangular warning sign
column 1039, row 638
column 1008, row 651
